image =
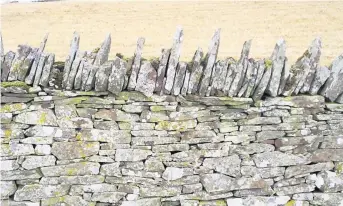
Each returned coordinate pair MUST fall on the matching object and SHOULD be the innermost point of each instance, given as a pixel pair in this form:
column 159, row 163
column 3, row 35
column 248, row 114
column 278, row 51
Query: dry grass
column 264, row 22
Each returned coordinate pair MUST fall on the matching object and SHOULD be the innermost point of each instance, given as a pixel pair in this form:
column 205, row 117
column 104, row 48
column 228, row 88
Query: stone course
column 209, row 132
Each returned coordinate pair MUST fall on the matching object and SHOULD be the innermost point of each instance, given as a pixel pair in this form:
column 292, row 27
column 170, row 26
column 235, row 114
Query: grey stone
column 32, row 162
column 89, row 85
column 37, row 192
column 102, row 75
column 215, row 183
column 260, row 121
column 254, row 148
column 69, row 200
column 20, row 174
column 41, row 117
column 328, row 181
column 26, row 65
column 173, row 60
column 314, row 55
column 7, row 165
column 97, row 135
column 22, row 52
column 73, row 169
column 284, row 76
column 8, row 188
column 146, row 79
column 6, row 65
column 325, row 155
column 155, row 191
column 211, row 58
column 179, row 78
column 86, row 70
column 43, row 149
column 173, row 173
column 261, row 87
column 116, row 115
column 277, row 159
column 43, row 58
column 74, row 46
column 110, row 197
column 264, row 173
column 278, row 62
column 136, row 64
column 78, row 77
column 289, row 190
column 132, row 154
column 327, row 199
column 102, row 55
column 116, row 80
column 226, row 165
column 176, row 125
column 74, row 150
column 196, row 72
column 44, row 80
column 74, row 69
column 316, row 101
column 161, row 71
column 265, row 135
column 186, row 82
column 258, row 200
column 111, row 169
column 143, row 202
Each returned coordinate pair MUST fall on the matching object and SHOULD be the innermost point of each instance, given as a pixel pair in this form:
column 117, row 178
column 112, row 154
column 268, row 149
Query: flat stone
column 176, row 125
column 253, row 148
column 328, row 181
column 74, row 150
column 81, row 168
column 326, row 155
column 8, row 188
column 111, row 169
column 265, row 135
column 102, row 55
column 277, row 159
column 69, row 200
column 264, row 173
column 260, row 121
column 258, row 200
column 102, row 75
column 210, row 61
column 97, row 135
column 219, row 75
column 136, row 64
column 116, row 80
column 41, row 117
column 37, row 192
column 44, row 80
column 132, row 154
column 32, row 162
column 173, row 60
column 110, row 197
column 20, row 175
column 7, row 165
column 156, row 191
column 161, row 71
column 226, row 165
column 327, row 198
column 143, row 202
column 294, row 101
column 289, row 190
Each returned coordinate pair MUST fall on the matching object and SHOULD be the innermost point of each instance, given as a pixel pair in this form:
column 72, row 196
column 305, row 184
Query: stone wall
column 136, row 132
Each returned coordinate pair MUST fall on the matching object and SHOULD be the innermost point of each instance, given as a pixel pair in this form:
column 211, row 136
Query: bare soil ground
column 264, row 22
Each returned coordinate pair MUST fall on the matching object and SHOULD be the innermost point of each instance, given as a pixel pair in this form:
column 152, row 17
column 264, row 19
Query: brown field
column 264, row 22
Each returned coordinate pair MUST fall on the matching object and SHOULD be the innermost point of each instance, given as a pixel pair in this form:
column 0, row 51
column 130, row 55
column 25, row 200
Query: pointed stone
column 211, row 58
column 102, row 55
column 74, row 68
column 74, row 46
column 179, row 78
column 241, row 68
column 253, row 79
column 322, row 73
column 39, row 71
column 22, row 52
column 278, row 61
column 314, row 55
column 186, row 81
column 298, row 73
column 161, row 71
column 146, row 79
column 26, row 66
column 101, row 77
column 219, row 76
column 173, row 60
column 30, row 78
column 249, row 77
column 116, row 80
column 339, row 99
column 44, row 80
column 136, row 64
column 89, row 85
column 196, row 72
column 334, row 85
column 230, row 76
column 284, row 77
column 84, row 70
column 259, row 91
column 6, row 65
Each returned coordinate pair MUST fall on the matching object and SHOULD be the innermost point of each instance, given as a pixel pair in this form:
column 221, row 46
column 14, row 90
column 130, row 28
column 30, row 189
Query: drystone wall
column 136, row 132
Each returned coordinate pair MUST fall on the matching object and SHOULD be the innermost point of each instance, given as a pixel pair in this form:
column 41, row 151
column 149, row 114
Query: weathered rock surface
column 74, row 46
column 22, row 52
column 37, row 192
column 161, row 71
column 44, row 80
column 74, row 150
column 146, row 79
column 179, row 78
column 6, row 65
column 133, row 80
column 102, row 75
column 116, row 80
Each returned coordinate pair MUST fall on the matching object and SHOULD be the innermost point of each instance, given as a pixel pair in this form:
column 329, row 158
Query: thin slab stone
column 74, row 46
column 161, row 71
column 44, row 80
column 196, row 72
column 136, row 64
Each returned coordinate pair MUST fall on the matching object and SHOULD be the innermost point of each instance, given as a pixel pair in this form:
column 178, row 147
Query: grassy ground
column 264, row 22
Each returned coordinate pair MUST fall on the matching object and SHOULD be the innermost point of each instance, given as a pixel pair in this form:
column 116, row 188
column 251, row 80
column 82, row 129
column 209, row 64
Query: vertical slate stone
column 74, row 46
column 42, row 60
column 146, row 79
column 77, row 81
column 116, row 81
column 6, row 65
column 284, row 76
column 211, row 58
column 253, row 77
column 173, row 60
column 87, row 65
column 278, row 61
column 101, row 77
column 321, row 75
column 89, row 85
column 136, row 64
column 102, row 55
column 230, row 76
column 44, row 80
column 196, row 72
column 161, row 71
column 259, row 91
column 219, row 76
column 249, row 75
column 74, row 68
column 26, row 66
column 186, row 81
column 30, row 78
column 241, row 69
column 260, row 71
column 179, row 78
column 314, row 55
column 334, row 85
column 22, row 52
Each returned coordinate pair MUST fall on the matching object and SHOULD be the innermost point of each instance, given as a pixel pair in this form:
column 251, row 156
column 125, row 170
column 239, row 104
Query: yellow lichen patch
column 42, row 118
column 8, row 133
column 71, row 171
column 290, row 203
column 339, row 168
column 268, row 63
column 78, row 136
column 11, row 108
column 15, row 84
